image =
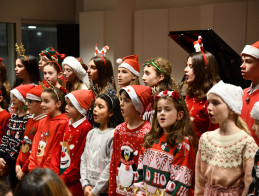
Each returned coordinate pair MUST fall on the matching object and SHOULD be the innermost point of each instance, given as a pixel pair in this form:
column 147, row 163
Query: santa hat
column 129, row 147
column 35, row 93
column 51, row 54
column 255, row 111
column 77, row 68
column 81, row 99
column 140, row 96
column 252, row 50
column 21, row 91
column 230, row 94
column 131, row 63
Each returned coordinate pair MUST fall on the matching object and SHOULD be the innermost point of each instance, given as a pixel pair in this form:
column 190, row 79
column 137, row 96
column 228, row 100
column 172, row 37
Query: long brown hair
column 182, row 128
column 205, row 75
column 4, row 79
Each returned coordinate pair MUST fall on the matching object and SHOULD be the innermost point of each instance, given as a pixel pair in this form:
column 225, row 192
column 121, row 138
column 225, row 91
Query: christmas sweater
column 248, row 103
column 254, row 187
column 30, row 130
column 224, row 163
column 4, row 119
column 66, row 160
column 12, row 139
column 165, row 171
column 95, row 160
column 199, row 115
column 124, row 161
column 46, row 140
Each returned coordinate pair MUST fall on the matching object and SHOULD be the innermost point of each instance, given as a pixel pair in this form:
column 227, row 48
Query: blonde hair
column 240, row 123
column 76, row 86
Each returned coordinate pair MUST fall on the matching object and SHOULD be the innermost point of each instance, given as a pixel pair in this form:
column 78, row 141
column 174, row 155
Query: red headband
column 1, row 93
column 56, row 64
column 198, row 46
column 104, row 61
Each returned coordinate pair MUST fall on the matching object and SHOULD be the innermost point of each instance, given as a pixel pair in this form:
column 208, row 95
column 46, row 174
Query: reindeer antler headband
column 21, row 51
column 101, row 53
column 198, row 46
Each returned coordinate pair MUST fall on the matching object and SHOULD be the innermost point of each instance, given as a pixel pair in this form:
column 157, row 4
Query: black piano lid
column 228, row 60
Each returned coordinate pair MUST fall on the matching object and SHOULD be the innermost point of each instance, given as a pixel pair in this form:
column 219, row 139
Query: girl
column 4, row 78
column 4, row 115
column 128, row 139
column 98, row 147
column 33, row 106
column 52, row 73
column 128, row 71
column 200, row 75
column 12, row 139
column 50, row 129
column 66, row 162
column 225, row 156
column 75, row 75
column 167, row 159
column 26, row 70
column 157, row 75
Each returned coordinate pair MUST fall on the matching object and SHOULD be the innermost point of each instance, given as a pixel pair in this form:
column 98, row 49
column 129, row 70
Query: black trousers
column 12, row 174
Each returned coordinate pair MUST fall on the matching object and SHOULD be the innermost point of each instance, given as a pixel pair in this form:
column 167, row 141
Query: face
column 127, row 107
column 150, row 76
column 255, row 127
column 72, row 112
column 17, row 103
column 34, row 107
column 51, row 75
column 125, row 76
column 42, row 63
column 218, row 110
column 48, row 104
column 68, row 73
column 20, row 69
column 167, row 114
column 92, row 72
column 189, row 72
column 250, row 68
column 101, row 112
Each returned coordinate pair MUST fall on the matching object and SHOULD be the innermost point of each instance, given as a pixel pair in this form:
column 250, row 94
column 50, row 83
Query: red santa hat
column 140, row 96
column 21, row 91
column 129, row 147
column 131, row 63
column 35, row 93
column 252, row 50
column 81, row 99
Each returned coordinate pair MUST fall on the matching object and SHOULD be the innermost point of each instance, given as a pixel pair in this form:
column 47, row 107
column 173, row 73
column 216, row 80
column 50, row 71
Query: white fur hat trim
column 255, row 111
column 74, row 101
column 32, row 97
column 251, row 50
column 129, row 67
column 17, row 94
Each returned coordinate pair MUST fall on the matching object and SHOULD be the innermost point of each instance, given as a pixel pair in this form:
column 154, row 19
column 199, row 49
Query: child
column 75, row 75
column 33, row 98
column 157, row 75
column 52, row 73
column 4, row 115
column 4, row 78
column 95, row 160
column 167, row 159
column 66, row 162
column 225, row 156
column 128, row 139
column 250, row 71
column 12, row 139
column 200, row 75
column 50, row 129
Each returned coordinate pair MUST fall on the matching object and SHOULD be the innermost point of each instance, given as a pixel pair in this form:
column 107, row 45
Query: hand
column 18, row 169
column 2, row 163
column 91, row 193
column 87, row 190
column 20, row 175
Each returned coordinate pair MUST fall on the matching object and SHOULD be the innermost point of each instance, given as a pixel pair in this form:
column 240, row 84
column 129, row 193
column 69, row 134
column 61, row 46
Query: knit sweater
column 4, row 120
column 165, row 171
column 124, row 161
column 224, row 162
column 254, row 187
column 95, row 160
column 12, row 139
column 30, row 130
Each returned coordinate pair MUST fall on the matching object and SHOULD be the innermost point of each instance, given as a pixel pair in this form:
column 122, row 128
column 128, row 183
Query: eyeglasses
column 29, row 101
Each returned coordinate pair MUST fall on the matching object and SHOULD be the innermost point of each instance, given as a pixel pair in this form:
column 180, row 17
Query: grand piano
column 228, row 60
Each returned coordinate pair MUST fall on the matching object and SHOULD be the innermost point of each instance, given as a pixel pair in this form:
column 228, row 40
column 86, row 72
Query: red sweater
column 247, row 107
column 199, row 115
column 66, row 161
column 124, row 161
column 4, row 119
column 46, row 140
column 30, row 130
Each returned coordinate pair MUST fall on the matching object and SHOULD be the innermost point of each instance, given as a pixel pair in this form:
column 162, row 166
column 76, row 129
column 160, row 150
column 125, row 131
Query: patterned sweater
column 124, row 161
column 165, row 171
column 254, row 187
column 224, row 162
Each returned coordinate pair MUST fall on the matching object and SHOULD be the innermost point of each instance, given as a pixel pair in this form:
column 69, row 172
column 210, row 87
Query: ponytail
column 240, row 123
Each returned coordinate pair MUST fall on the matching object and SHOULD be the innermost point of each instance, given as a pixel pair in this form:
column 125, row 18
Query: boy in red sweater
column 250, row 71
column 33, row 106
column 128, row 139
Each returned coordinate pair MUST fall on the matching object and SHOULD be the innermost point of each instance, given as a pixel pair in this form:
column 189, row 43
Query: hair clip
column 63, row 89
column 2, row 63
column 198, row 46
column 151, row 61
column 173, row 94
column 21, row 51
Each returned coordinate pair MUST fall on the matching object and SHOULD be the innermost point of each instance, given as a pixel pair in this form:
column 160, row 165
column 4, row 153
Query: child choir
column 133, row 140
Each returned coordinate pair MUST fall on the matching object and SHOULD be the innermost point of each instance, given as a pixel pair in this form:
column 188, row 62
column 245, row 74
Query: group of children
column 149, row 141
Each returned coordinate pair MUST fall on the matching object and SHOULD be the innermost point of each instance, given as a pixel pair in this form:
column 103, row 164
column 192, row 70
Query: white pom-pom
column 199, row 37
column 136, row 153
column 119, row 61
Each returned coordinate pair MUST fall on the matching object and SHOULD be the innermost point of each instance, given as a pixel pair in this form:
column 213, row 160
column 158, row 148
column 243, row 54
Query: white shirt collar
column 77, row 123
column 40, row 116
column 251, row 90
